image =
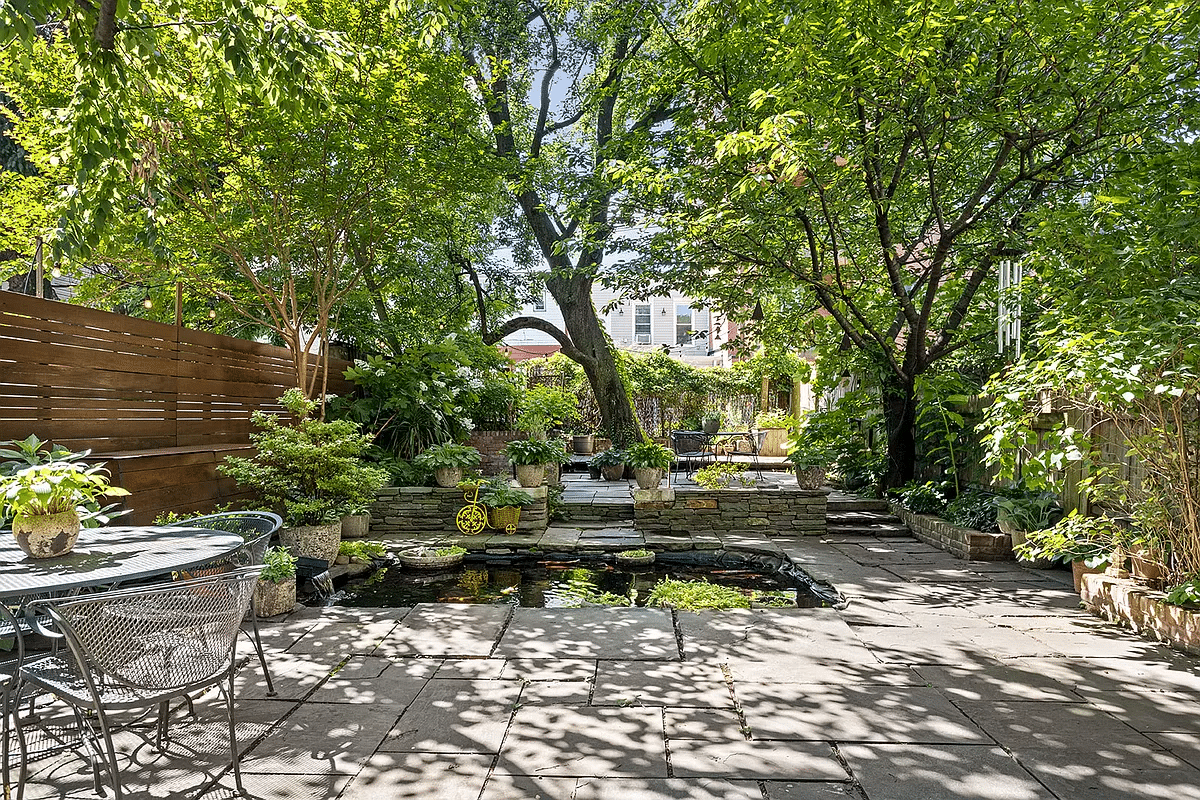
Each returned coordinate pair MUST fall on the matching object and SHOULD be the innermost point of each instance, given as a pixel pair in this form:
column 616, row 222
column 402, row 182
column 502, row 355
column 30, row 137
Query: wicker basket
column 504, row 518
column 424, row 558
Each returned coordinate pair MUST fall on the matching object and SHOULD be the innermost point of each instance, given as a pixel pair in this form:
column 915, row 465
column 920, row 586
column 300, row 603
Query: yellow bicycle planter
column 474, row 517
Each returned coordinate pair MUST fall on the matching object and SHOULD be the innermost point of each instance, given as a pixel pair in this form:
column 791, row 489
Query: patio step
column 864, row 523
column 596, row 511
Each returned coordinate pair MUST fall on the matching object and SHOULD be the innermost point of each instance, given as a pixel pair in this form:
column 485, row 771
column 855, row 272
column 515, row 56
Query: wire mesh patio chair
column 136, row 649
column 257, row 528
column 692, row 448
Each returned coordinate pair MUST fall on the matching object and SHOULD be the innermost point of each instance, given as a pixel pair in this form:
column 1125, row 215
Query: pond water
column 570, row 581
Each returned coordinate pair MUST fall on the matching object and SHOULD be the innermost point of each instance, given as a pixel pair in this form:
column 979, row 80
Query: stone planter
column 272, row 599
column 711, row 426
column 583, row 444
column 810, row 476
column 648, row 477
column 530, row 475
column 46, row 535
column 356, row 526
column 634, row 561
column 613, row 472
column 448, row 477
column 426, row 558
column 313, row 541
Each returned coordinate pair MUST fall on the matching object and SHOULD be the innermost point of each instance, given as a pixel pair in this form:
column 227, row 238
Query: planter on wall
column 530, row 475
column 313, row 541
column 810, row 476
column 648, row 477
column 448, row 477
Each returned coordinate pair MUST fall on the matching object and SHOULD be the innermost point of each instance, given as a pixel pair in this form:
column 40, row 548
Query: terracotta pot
column 810, row 476
column 448, row 477
column 583, row 444
column 530, row 475
column 313, row 541
column 46, row 535
column 648, row 477
column 1146, row 568
column 613, row 472
column 272, row 599
column 356, row 526
column 1079, row 569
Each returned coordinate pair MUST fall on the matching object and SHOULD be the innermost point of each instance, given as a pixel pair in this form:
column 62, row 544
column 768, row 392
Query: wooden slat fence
column 164, row 404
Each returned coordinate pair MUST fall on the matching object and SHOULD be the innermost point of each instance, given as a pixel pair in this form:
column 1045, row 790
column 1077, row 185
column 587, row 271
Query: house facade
column 675, row 324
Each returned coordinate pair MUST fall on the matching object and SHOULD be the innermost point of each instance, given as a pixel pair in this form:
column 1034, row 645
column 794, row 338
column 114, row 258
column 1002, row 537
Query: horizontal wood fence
column 163, row 404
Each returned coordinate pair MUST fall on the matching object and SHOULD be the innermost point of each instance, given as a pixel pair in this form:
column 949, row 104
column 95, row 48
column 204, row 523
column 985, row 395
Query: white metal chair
column 139, row 648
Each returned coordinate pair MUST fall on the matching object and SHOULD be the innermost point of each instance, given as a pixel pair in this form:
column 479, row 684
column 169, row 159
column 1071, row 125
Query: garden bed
column 1143, row 609
column 962, row 542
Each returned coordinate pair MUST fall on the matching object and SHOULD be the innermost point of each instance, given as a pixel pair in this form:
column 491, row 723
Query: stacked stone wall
column 415, row 510
column 787, row 511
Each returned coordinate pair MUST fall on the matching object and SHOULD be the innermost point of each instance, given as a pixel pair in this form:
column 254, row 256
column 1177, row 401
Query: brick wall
column 965, row 543
column 490, row 444
column 422, row 509
column 788, row 511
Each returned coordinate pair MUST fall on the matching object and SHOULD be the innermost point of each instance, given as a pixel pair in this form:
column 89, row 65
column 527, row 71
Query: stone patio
column 941, row 679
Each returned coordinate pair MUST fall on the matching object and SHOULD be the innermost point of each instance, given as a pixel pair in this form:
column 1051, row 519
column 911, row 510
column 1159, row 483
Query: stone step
column 837, row 504
column 599, row 512
column 867, row 529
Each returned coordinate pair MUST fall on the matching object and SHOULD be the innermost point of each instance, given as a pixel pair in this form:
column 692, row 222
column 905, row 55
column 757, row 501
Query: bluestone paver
column 923, row 772
column 610, row 633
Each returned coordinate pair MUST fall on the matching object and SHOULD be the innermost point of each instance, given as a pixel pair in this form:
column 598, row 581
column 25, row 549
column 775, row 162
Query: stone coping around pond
column 1142, row 609
column 961, row 542
column 779, row 510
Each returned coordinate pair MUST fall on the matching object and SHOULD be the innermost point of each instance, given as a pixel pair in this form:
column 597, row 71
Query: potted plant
column 710, row 422
column 504, row 503
column 447, row 462
column 1087, row 543
column 639, row 557
column 310, row 471
column 530, row 457
column 432, row 556
column 49, row 502
column 650, row 462
column 1028, row 511
column 583, row 443
column 276, row 589
column 356, row 524
column 811, row 462
column 611, row 463
column 776, row 424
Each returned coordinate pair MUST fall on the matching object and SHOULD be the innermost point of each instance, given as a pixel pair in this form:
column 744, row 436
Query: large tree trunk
column 574, row 297
column 900, row 419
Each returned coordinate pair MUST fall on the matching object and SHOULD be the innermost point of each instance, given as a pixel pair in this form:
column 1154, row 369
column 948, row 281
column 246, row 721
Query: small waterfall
column 322, row 584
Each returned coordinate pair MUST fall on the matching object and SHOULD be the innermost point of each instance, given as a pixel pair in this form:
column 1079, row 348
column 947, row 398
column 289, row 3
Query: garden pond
column 562, row 580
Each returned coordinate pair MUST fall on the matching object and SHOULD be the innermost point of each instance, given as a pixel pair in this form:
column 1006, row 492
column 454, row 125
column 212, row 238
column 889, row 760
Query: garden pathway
column 941, row 679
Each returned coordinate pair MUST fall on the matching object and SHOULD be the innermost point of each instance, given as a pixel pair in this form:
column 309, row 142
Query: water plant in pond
column 363, row 551
column 695, row 596
column 450, row 550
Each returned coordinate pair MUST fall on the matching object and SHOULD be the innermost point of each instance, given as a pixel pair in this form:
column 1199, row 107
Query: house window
column 683, row 325
column 539, row 302
column 641, row 324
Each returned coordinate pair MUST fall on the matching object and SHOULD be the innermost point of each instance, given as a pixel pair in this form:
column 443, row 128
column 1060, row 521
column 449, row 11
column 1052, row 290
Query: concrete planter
column 530, row 475
column 810, row 476
column 647, row 477
column 583, row 444
column 356, row 526
column 448, row 477
column 46, row 535
column 313, row 541
column 272, row 599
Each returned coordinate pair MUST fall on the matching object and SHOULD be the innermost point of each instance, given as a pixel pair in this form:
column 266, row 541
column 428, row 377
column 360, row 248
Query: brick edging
column 1142, row 609
column 961, row 542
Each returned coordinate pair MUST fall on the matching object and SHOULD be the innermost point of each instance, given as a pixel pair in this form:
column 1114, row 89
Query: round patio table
column 110, row 556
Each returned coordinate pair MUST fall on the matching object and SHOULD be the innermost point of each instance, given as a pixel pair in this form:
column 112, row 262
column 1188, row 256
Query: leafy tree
column 560, row 86
column 881, row 159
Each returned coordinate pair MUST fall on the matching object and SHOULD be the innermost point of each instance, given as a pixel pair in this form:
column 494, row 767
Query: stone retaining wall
column 422, row 509
column 1142, row 609
column 685, row 511
column 965, row 543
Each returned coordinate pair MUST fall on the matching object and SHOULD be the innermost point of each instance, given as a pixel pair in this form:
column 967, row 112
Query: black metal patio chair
column 257, row 528
column 693, row 449
column 136, row 649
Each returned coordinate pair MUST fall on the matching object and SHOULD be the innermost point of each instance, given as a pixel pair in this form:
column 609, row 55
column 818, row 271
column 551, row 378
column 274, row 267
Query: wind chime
column 1008, row 308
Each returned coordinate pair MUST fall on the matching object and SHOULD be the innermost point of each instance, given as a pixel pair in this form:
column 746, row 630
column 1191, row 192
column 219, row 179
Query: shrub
column 921, row 498
column 544, row 407
column 973, row 509
column 648, row 455
column 721, row 476
column 448, row 455
column 1075, row 537
column 609, row 458
column 775, row 419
